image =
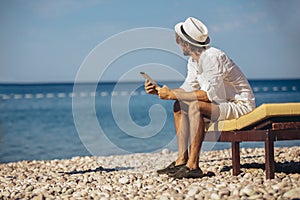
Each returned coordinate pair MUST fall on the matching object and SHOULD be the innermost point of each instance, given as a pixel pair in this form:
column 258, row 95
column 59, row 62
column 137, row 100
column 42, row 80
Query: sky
column 48, row 41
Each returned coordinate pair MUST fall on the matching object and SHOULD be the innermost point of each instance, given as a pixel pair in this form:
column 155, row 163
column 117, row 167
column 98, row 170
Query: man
column 214, row 89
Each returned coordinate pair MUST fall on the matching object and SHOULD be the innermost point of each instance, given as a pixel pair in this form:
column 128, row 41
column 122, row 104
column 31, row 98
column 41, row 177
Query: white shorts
column 234, row 109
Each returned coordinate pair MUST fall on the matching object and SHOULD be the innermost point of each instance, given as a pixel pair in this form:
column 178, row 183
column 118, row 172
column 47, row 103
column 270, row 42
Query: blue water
column 37, row 122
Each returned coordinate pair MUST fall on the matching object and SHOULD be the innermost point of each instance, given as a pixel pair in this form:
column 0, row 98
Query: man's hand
column 150, row 88
column 166, row 93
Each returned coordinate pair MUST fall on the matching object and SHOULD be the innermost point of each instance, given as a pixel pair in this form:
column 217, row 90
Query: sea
column 63, row 120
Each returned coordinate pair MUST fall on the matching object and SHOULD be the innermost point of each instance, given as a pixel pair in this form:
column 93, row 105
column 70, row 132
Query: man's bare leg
column 182, row 131
column 196, row 134
column 197, row 111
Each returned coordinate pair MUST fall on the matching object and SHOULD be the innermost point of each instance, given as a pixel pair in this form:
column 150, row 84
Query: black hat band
column 190, row 38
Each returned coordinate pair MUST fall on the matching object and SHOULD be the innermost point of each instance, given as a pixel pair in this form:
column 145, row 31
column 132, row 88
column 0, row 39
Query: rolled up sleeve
column 190, row 83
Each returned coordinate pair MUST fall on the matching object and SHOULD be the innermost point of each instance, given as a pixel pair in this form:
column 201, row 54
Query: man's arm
column 180, row 94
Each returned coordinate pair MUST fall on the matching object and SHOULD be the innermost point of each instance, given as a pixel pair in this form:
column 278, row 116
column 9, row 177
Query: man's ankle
column 192, row 166
column 181, row 162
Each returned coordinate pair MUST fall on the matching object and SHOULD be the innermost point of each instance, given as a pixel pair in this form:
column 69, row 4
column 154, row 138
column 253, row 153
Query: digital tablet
column 146, row 76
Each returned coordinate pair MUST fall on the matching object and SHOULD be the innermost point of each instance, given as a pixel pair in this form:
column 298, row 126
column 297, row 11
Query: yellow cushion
column 260, row 113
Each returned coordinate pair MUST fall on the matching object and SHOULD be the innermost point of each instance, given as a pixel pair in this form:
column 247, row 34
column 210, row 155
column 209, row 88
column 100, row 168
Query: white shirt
column 219, row 77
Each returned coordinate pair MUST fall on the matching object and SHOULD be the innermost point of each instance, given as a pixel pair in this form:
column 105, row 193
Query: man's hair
column 193, row 48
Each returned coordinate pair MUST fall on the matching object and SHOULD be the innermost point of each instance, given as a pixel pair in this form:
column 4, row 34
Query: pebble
column 224, row 192
column 214, row 196
column 70, row 191
column 165, row 151
column 247, row 176
column 29, row 188
column 134, row 176
column 293, row 194
column 258, row 181
column 124, row 180
column 235, row 192
column 255, row 197
column 193, row 191
column 107, row 187
column 248, row 190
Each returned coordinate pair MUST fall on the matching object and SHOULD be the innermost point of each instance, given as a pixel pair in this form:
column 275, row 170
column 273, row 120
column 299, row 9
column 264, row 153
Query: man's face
column 185, row 49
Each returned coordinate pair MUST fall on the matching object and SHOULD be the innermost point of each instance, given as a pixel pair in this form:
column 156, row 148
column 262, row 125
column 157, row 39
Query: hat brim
column 178, row 31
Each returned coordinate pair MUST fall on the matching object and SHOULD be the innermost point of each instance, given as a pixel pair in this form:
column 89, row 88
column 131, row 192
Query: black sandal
column 170, row 169
column 185, row 172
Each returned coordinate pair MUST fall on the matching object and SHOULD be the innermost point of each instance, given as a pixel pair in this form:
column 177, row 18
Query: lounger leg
column 269, row 155
column 235, row 147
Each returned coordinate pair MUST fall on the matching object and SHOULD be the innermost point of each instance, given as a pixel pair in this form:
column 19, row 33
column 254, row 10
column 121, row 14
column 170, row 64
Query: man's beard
column 186, row 52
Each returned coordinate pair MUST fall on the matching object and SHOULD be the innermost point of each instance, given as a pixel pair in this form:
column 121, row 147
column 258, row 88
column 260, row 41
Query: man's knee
column 197, row 108
column 194, row 106
column 205, row 109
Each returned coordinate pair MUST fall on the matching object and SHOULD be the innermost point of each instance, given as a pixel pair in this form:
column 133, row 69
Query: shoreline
column 133, row 176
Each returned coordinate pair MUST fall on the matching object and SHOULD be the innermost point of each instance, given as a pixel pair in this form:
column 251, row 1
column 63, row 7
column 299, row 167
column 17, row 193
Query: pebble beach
column 134, row 176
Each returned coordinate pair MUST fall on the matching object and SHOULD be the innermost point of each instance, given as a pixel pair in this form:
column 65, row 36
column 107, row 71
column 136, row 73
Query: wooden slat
column 251, row 135
column 285, row 125
column 287, row 134
column 236, row 136
column 267, row 123
column 263, row 125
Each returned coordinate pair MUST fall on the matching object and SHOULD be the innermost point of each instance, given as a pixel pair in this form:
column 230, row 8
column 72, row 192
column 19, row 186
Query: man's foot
column 185, row 172
column 170, row 168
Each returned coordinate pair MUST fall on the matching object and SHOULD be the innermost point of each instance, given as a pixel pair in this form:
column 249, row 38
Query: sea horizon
column 129, row 81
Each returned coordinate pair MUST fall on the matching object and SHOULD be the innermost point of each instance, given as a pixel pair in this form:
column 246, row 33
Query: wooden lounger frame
column 268, row 131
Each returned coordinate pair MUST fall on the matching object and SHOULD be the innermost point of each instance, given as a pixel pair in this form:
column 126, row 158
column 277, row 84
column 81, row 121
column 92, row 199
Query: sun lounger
column 267, row 123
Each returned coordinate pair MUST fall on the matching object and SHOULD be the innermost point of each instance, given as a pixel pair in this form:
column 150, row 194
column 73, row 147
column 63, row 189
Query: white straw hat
column 193, row 31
